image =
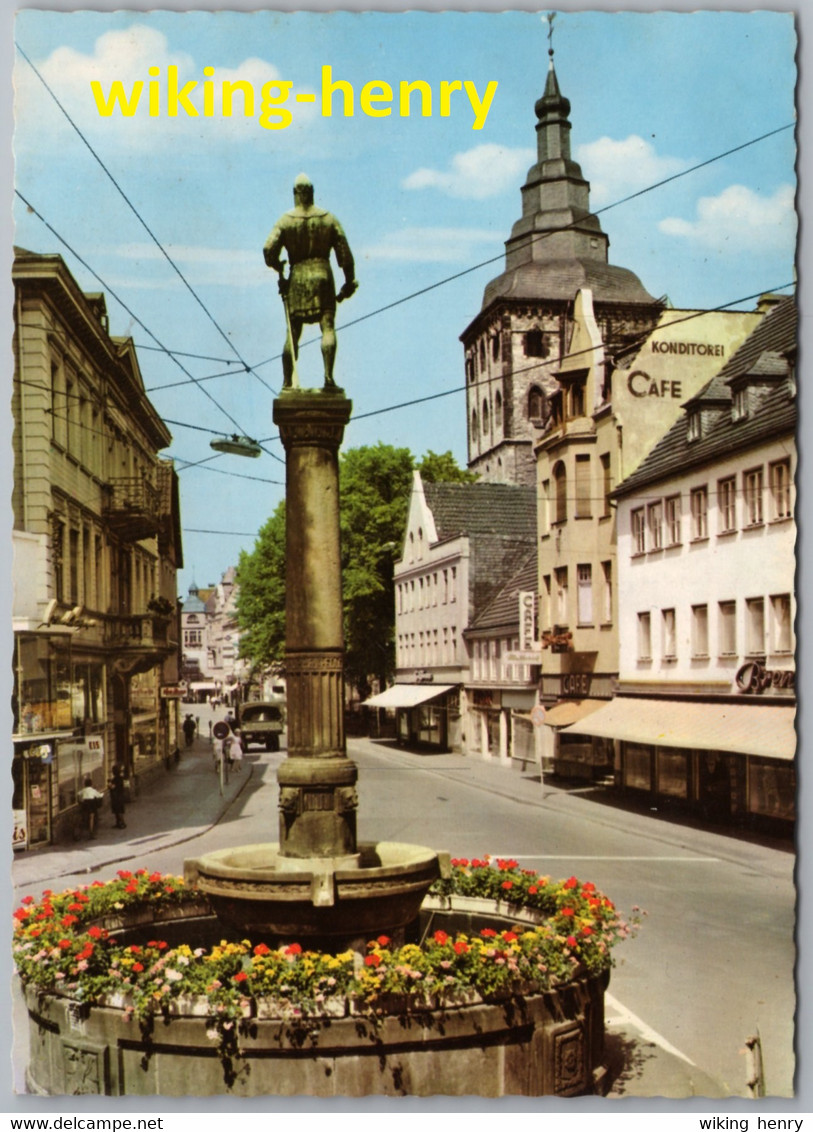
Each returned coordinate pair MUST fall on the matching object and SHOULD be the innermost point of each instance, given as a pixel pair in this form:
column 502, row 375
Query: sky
column 421, row 199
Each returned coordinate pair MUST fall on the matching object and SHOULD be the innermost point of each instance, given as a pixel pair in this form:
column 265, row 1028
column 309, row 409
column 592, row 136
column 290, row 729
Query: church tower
column 513, row 346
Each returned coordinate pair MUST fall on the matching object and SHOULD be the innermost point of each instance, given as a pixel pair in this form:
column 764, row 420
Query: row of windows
column 489, row 662
column 587, row 499
column 763, row 625
column 591, row 606
column 535, row 344
column 660, row 524
column 537, row 410
column 101, row 576
column 437, row 588
column 423, row 649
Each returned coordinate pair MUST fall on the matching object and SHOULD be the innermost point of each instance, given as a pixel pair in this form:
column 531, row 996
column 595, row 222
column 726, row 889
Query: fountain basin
column 531, row 1044
column 330, row 902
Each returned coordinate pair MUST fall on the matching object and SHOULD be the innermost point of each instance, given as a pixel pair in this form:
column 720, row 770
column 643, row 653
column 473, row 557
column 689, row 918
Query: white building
column 704, row 716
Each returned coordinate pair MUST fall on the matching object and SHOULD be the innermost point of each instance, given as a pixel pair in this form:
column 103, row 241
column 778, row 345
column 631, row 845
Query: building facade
column 97, row 544
column 704, row 714
column 604, row 420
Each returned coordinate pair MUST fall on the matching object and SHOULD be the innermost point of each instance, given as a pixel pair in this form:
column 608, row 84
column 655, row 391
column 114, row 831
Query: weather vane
column 551, row 16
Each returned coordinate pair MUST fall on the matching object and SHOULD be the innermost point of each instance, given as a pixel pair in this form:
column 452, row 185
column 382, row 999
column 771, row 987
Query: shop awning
column 740, row 728
column 566, row 712
column 407, row 695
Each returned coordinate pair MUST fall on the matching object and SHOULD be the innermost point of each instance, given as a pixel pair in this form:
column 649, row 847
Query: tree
column 374, row 486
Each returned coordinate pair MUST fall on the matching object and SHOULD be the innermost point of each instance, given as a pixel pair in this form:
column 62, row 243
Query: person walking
column 90, row 799
column 118, row 797
column 189, row 729
column 236, row 749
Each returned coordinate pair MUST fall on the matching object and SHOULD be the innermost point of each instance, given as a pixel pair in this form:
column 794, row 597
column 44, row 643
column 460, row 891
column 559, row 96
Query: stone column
column 317, row 780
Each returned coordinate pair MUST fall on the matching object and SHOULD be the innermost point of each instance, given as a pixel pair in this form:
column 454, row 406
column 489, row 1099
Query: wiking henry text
column 167, row 95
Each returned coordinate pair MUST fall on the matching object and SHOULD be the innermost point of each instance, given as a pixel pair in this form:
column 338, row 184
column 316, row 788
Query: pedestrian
column 118, row 797
column 236, row 749
column 90, row 799
column 217, row 752
column 189, row 729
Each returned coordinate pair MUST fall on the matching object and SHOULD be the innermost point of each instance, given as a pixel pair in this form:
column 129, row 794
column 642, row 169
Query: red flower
column 95, row 932
column 568, row 912
column 571, row 882
column 509, row 937
column 383, row 941
column 125, row 874
column 138, row 966
column 131, row 887
column 571, row 941
column 506, row 884
column 440, row 937
column 588, row 887
column 157, row 943
column 488, row 932
column 532, row 890
column 74, row 907
column 155, row 877
column 587, row 931
column 240, row 977
column 21, row 914
column 64, row 944
column 294, row 949
column 28, row 900
column 262, row 949
column 461, row 947
column 372, row 960
column 134, row 949
column 66, row 921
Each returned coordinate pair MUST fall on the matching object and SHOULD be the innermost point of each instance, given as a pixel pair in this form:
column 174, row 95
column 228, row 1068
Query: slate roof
column 503, row 609
column 499, row 509
column 561, row 279
column 762, row 355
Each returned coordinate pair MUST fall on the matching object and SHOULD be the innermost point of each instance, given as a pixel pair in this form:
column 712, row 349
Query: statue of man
column 308, row 234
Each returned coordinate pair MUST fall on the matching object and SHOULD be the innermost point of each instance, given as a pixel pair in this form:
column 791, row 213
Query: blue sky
column 420, row 198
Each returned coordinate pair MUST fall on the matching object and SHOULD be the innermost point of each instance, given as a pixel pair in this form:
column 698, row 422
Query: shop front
column 422, row 712
column 723, row 761
column 567, row 698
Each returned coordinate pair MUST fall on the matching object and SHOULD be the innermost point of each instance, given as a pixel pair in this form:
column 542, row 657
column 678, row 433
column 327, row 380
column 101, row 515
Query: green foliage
column 374, row 486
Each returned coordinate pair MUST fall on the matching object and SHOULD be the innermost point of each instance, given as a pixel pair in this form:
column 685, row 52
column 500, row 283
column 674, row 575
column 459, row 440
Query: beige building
column 96, row 544
column 607, row 412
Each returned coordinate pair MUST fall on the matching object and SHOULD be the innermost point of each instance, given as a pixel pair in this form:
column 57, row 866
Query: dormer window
column 739, row 406
column 694, row 426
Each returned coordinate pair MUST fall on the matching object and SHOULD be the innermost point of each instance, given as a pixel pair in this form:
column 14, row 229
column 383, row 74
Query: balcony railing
column 133, row 508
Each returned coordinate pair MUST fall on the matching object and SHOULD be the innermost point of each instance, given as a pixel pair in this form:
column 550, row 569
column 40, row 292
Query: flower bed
column 70, row 944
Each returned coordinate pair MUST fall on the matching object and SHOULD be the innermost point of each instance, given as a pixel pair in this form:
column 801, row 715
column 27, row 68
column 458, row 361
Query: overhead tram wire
column 147, row 229
column 135, row 317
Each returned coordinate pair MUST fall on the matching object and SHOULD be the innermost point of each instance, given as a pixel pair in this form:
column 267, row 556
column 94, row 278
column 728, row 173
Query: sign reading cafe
column 527, row 619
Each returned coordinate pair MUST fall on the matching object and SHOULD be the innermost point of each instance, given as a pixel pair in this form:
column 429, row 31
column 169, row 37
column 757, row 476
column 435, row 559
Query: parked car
column 261, row 723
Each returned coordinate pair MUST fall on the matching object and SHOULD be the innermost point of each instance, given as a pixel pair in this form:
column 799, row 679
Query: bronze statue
column 308, row 234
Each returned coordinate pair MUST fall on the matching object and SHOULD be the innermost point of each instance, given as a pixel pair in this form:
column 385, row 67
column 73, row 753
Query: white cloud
column 431, row 245
column 127, row 57
column 740, row 219
column 482, row 172
column 617, row 168
column 200, row 265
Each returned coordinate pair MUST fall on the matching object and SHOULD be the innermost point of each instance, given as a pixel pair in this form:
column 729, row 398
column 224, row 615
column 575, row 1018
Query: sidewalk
column 185, row 801
column 175, row 806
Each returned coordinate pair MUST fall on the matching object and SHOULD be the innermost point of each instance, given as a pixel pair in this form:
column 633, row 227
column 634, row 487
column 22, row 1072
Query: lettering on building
column 704, row 349
column 527, row 609
column 640, row 384
column 754, row 677
column 576, row 684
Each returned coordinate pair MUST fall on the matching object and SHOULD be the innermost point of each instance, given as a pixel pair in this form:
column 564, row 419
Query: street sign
column 221, row 729
column 172, row 692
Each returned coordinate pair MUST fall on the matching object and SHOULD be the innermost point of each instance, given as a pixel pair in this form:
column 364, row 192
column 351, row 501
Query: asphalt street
column 713, row 961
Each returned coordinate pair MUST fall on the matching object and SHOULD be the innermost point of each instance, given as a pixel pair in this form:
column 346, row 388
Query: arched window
column 482, row 355
column 470, row 368
column 560, row 492
column 474, row 424
column 495, row 347
column 535, row 344
column 498, row 409
column 537, row 404
column 485, row 416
